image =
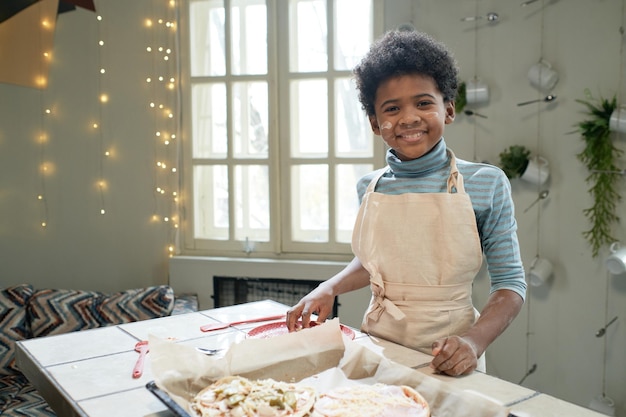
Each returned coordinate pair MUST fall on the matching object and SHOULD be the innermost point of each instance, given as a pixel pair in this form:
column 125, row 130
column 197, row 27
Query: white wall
column 581, row 38
column 82, row 249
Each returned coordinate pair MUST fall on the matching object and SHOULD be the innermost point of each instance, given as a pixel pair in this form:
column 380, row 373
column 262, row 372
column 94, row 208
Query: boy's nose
column 410, row 117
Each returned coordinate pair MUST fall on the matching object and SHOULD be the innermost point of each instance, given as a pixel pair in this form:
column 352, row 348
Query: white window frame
column 278, row 161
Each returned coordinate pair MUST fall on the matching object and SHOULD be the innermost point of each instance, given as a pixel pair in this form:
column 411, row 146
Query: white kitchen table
column 89, row 373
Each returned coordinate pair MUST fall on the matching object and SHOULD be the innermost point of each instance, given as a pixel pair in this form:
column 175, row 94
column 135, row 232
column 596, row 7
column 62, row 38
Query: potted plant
column 514, row 160
column 461, row 98
column 599, row 157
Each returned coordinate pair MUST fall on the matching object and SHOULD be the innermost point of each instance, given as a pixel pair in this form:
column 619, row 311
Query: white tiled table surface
column 88, row 373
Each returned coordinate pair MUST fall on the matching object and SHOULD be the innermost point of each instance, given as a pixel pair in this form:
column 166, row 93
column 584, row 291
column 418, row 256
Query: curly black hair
column 400, row 53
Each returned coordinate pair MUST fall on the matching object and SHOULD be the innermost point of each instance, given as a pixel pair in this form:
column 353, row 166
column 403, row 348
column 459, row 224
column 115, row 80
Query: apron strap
column 455, row 180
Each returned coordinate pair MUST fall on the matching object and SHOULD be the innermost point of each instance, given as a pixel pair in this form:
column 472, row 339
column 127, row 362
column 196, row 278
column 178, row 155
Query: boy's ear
column 374, row 125
column 450, row 112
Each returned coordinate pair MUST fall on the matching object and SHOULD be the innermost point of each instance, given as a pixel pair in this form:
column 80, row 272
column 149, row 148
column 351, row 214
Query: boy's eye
column 424, row 103
column 391, row 109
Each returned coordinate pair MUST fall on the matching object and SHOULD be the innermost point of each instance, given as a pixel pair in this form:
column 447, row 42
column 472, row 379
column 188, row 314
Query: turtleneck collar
column 434, row 160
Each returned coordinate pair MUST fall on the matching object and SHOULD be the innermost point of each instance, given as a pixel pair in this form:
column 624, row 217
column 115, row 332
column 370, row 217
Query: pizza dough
column 238, row 397
column 235, row 396
column 379, row 400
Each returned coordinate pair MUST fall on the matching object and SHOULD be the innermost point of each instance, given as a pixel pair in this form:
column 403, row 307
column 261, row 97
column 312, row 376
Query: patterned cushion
column 185, row 303
column 61, row 311
column 19, row 398
column 13, row 324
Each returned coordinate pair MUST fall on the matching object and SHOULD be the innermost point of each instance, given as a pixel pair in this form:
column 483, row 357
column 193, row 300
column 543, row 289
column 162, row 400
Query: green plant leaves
column 600, row 156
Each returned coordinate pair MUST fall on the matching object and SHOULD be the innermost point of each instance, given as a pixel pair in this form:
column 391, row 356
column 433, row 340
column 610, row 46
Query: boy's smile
column 410, row 114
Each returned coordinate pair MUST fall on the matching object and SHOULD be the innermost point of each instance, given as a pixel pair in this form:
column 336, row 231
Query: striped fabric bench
column 26, row 313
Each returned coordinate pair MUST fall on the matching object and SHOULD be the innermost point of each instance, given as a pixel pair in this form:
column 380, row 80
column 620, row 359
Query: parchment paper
column 321, row 357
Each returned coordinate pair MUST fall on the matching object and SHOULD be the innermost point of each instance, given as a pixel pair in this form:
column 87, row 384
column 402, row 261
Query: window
column 275, row 135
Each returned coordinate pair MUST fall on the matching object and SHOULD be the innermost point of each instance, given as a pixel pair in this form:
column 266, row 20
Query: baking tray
column 177, row 409
column 167, row 400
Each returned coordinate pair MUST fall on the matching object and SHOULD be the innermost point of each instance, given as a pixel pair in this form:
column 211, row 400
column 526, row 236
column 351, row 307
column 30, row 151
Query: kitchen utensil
column 473, row 113
column 219, row 326
column 209, row 352
column 542, row 195
column 142, row 348
column 490, row 17
column 277, row 328
column 601, row 332
column 616, row 262
column 547, row 99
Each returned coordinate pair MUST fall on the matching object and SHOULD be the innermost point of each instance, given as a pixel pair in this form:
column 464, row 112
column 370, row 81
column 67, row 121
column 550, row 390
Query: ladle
column 542, row 195
column 547, row 99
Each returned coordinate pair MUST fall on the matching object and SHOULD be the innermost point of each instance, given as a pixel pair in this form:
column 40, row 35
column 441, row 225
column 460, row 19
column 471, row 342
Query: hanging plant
column 599, row 157
column 461, row 98
column 514, row 160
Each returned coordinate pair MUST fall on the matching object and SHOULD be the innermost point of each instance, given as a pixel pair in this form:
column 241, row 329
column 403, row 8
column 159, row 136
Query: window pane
column 347, row 200
column 249, row 35
column 307, row 43
column 353, row 135
column 309, row 118
column 252, row 202
column 250, row 114
column 207, row 37
column 209, row 121
column 352, row 40
column 210, row 202
column 309, row 203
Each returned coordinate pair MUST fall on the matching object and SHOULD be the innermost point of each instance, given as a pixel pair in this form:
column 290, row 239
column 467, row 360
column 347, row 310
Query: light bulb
column 43, row 224
column 102, row 211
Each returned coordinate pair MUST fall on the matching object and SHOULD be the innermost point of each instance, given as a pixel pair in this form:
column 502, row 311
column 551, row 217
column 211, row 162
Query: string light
column 43, row 138
column 103, row 99
column 161, row 38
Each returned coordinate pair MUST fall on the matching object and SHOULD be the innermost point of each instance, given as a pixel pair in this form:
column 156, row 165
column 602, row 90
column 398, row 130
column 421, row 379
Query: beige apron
column 422, row 251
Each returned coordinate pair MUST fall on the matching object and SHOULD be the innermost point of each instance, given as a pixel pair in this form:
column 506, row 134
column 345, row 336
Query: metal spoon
column 209, row 352
column 601, row 332
column 542, row 195
column 547, row 99
column 491, row 17
column 473, row 113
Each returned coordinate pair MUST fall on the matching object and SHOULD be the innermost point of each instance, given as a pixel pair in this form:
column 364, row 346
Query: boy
column 426, row 219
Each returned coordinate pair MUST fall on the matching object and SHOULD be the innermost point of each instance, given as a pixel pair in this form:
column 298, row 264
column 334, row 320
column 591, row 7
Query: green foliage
column 514, row 160
column 461, row 98
column 599, row 156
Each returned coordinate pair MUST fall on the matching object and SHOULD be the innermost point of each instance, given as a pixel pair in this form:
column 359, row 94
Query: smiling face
column 410, row 114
